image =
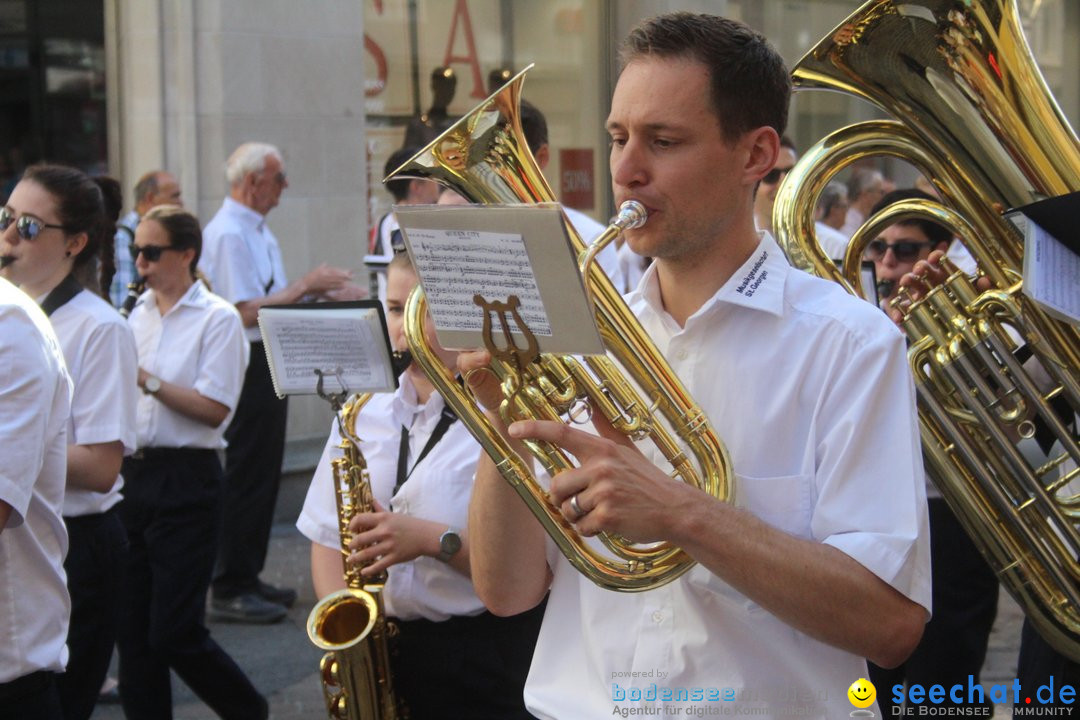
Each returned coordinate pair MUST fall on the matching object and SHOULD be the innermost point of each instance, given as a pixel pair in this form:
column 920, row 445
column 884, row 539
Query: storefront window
column 430, row 61
column 52, row 86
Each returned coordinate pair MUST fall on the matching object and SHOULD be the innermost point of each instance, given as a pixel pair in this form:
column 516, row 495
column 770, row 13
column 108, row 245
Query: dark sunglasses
column 27, row 227
column 773, row 176
column 904, row 251
column 152, row 252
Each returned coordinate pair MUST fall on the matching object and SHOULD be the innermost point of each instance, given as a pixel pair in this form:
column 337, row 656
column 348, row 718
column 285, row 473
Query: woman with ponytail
column 52, row 231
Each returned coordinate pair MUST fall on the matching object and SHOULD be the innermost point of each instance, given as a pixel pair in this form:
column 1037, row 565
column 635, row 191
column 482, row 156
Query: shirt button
column 658, row 617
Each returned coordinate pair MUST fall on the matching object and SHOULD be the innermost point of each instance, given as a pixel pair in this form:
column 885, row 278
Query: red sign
column 577, row 181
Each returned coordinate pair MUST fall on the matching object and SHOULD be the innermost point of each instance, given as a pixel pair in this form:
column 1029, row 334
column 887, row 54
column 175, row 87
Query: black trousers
column 1039, row 665
column 256, row 438
column 172, row 513
column 964, row 598
column 465, row 668
column 31, row 697
column 95, row 564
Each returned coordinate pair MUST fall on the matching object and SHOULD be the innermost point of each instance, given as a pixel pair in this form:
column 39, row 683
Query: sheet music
column 461, row 263
column 1051, row 273
column 346, row 343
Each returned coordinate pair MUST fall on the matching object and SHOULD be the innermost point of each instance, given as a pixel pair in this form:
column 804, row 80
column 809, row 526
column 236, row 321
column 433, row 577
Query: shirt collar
column 406, row 406
column 758, row 284
column 244, row 215
column 196, row 296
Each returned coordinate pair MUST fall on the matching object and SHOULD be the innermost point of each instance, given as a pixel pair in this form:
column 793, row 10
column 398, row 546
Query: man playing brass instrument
column 823, row 559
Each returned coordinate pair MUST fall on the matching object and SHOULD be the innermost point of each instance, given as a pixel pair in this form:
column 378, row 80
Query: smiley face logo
column 862, row 693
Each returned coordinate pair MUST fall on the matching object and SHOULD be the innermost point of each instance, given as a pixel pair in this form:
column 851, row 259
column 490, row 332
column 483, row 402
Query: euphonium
column 976, row 119
column 484, row 158
column 350, row 625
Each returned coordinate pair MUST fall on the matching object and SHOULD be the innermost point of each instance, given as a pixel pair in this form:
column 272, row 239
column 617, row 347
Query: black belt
column 35, row 682
column 169, row 453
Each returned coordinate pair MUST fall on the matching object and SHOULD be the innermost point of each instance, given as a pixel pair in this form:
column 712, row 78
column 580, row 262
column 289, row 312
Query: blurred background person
column 34, row 607
column 450, row 657
column 242, row 261
column 534, row 125
column 69, row 210
column 156, row 187
column 192, row 356
column 832, row 208
column 866, row 187
column 426, row 127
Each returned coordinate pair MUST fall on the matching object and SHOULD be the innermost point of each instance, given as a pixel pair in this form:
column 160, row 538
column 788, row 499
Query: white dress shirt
column 241, row 257
column 809, row 389
column 199, row 343
column 832, row 241
column 101, row 359
column 438, row 489
column 35, row 396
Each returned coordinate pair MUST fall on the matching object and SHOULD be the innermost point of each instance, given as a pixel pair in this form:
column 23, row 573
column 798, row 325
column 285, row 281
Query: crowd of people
column 831, row 565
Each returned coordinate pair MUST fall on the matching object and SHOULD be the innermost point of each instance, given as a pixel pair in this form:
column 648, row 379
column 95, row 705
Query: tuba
column 350, row 625
column 976, row 118
column 484, row 157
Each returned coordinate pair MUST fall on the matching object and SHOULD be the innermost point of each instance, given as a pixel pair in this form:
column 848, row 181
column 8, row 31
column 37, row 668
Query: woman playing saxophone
column 421, row 463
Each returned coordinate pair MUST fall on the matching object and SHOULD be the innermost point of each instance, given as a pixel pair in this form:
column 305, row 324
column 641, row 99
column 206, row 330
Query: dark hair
column 534, row 125
column 936, row 232
column 399, row 188
column 749, row 83
column 786, row 141
column 84, row 205
column 182, row 228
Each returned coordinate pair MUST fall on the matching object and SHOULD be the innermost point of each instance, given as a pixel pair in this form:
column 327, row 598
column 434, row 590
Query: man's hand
column 324, row 279
column 617, row 489
column 926, row 275
column 347, row 292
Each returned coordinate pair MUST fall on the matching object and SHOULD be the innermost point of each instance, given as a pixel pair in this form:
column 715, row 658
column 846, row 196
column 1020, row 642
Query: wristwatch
column 449, row 544
column 152, row 385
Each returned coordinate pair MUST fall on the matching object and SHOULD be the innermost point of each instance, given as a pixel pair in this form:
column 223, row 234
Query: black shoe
column 247, row 608
column 281, row 596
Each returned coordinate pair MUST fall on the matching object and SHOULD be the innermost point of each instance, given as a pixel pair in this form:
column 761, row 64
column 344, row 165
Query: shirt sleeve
column 25, row 399
column 106, row 392
column 871, row 501
column 223, row 359
column 318, row 518
column 232, row 272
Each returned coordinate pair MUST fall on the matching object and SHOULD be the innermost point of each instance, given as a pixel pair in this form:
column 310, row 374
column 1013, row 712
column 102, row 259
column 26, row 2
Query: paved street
column 282, row 662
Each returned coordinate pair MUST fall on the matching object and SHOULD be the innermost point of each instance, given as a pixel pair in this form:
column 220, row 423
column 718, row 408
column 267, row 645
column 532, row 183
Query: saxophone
column 350, row 625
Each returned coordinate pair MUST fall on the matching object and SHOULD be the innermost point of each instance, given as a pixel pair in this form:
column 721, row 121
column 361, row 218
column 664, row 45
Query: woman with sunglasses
column 192, row 358
column 55, row 228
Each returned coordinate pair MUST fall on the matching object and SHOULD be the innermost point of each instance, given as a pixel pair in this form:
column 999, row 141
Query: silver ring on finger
column 578, row 510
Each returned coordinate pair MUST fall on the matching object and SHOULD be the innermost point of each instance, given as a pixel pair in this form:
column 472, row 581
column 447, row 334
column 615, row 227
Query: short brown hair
column 182, row 228
column 749, row 83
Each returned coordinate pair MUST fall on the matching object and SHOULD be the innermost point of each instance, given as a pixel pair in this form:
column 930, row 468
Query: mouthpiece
column 632, row 215
column 5, row 261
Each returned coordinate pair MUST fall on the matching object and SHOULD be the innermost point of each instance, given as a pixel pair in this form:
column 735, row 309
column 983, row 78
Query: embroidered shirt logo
column 753, row 281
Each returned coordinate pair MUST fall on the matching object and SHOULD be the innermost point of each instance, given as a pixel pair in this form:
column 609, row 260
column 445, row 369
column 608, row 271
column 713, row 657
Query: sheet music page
column 499, row 251
column 458, row 264
column 1051, row 273
column 348, row 345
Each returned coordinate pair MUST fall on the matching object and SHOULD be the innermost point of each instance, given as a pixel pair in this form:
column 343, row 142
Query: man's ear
column 762, row 147
column 542, row 155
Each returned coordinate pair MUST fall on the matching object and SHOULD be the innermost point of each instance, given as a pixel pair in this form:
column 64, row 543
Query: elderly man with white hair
column 242, row 260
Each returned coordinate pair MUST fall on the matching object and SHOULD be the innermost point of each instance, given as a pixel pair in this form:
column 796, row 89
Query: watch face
column 153, row 384
column 449, row 543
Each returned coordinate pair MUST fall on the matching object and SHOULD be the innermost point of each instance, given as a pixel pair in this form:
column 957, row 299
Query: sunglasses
column 27, row 227
column 904, row 251
column 152, row 252
column 773, row 176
